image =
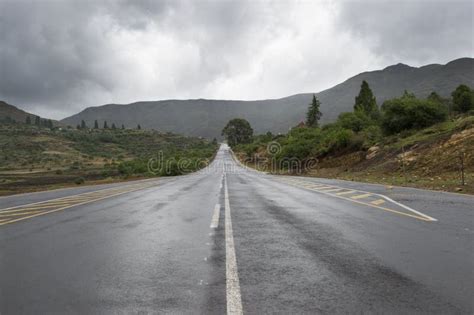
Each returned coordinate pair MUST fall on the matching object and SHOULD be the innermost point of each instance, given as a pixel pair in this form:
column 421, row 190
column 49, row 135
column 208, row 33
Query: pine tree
column 78, row 126
column 37, row 121
column 365, row 101
column 123, row 127
column 96, row 124
column 139, row 127
column 105, row 124
column 50, row 124
column 83, row 124
column 113, row 126
column 28, row 120
column 314, row 113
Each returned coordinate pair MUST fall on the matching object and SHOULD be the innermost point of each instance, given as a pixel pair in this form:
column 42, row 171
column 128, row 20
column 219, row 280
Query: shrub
column 409, row 112
column 335, row 139
column 372, row 135
column 79, row 180
column 355, row 121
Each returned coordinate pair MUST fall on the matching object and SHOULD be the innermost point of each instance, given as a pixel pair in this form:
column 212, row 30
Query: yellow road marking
column 361, row 196
column 332, row 190
column 378, row 202
column 39, row 207
column 339, row 195
column 88, row 195
column 324, row 187
column 346, row 192
column 69, row 206
column 386, row 209
column 18, row 213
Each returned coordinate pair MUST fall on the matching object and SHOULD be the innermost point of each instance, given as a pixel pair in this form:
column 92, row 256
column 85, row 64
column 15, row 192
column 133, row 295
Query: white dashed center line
column 215, row 217
column 234, row 300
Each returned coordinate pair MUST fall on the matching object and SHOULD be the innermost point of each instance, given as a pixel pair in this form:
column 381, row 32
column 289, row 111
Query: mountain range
column 206, row 118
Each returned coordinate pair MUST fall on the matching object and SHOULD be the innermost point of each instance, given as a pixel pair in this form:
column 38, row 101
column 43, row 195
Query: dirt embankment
column 434, row 163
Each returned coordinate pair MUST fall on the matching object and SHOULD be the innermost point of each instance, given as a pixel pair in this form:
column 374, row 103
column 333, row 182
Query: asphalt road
column 229, row 239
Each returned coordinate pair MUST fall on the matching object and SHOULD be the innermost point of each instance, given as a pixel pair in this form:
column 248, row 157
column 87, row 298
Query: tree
column 463, row 98
column 49, row 124
column 237, row 131
column 96, row 124
column 28, row 120
column 123, row 127
column 314, row 113
column 83, row 124
column 113, row 126
column 78, row 126
column 139, row 127
column 365, row 101
column 37, row 121
column 105, row 124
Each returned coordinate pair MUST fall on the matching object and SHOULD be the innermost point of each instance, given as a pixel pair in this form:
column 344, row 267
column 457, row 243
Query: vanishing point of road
column 228, row 239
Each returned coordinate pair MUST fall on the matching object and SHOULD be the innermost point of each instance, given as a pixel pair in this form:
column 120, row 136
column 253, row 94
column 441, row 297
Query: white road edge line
column 407, row 208
column 215, row 217
column 381, row 196
column 234, row 299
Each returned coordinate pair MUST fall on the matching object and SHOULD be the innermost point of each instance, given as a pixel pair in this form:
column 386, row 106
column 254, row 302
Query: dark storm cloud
column 60, row 52
column 57, row 57
column 47, row 50
column 412, row 31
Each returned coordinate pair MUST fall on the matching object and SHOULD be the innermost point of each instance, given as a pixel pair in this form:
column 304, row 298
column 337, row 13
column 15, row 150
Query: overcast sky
column 58, row 57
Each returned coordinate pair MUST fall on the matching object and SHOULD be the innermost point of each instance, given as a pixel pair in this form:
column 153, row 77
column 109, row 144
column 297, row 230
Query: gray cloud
column 412, row 31
column 57, row 57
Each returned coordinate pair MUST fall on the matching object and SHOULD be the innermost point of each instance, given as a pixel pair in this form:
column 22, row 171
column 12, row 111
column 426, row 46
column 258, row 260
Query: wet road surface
column 230, row 239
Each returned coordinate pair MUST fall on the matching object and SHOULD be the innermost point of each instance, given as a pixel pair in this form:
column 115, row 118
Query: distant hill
column 12, row 113
column 206, row 118
column 8, row 112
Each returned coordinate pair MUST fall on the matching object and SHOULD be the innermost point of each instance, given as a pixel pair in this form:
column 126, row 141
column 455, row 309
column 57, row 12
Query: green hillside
column 34, row 158
column 420, row 142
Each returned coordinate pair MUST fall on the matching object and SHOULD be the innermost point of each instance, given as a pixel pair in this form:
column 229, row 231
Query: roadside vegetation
column 406, row 141
column 36, row 157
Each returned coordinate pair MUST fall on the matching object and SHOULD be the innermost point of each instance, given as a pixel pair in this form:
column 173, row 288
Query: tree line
column 105, row 125
column 48, row 123
column 367, row 118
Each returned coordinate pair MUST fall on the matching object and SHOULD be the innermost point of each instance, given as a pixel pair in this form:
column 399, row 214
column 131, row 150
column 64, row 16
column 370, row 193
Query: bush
column 79, row 181
column 372, row 135
column 409, row 112
column 355, row 121
column 336, row 139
